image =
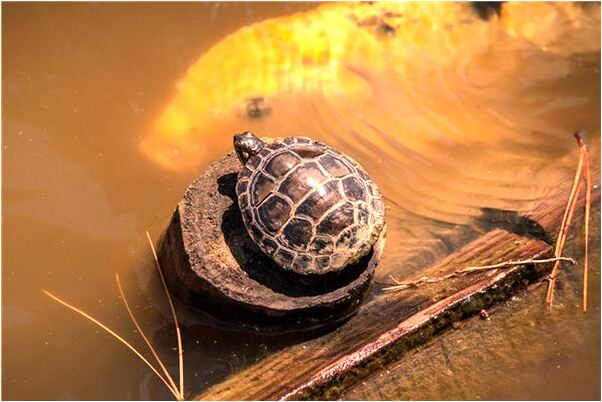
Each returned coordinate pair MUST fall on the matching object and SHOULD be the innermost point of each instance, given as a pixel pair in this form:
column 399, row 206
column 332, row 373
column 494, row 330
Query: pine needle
column 173, row 313
column 467, row 270
column 514, row 263
column 588, row 202
column 167, row 380
column 566, row 222
column 115, row 335
column 148, row 343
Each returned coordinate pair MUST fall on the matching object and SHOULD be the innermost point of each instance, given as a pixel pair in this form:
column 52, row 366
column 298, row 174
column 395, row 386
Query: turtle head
column 246, row 145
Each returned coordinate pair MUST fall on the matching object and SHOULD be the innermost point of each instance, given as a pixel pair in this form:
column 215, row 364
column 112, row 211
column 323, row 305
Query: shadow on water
column 215, row 349
column 486, row 9
column 512, row 221
column 213, row 353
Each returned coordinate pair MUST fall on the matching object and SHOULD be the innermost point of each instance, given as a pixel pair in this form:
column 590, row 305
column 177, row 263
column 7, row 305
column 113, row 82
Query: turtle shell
column 310, row 208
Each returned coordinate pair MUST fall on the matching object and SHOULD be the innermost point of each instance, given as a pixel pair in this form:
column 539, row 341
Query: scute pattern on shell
column 309, row 207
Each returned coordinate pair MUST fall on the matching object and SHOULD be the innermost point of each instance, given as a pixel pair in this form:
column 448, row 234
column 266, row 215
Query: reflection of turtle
column 309, row 207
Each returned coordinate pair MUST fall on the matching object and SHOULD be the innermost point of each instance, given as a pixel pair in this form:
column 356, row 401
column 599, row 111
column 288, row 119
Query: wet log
column 390, row 324
column 211, row 263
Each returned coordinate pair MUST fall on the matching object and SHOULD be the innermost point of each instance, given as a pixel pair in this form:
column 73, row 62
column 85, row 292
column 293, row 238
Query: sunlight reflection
column 435, row 55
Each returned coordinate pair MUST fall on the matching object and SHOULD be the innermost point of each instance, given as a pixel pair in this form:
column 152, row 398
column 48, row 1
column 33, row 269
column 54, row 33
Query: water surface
column 446, row 121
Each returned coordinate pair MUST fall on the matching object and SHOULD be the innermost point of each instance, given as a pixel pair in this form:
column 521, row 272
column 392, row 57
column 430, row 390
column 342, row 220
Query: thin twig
column 513, row 263
column 114, row 334
column 564, row 228
column 148, row 343
column 468, row 270
column 173, row 313
column 588, row 201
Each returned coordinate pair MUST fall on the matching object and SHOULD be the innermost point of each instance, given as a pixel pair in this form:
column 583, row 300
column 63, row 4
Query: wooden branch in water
column 385, row 327
column 392, row 323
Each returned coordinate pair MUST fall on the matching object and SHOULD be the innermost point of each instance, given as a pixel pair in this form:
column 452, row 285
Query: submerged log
column 390, row 324
column 211, row 263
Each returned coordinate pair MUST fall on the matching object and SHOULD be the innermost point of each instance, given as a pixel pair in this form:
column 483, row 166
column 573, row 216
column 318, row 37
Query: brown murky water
column 450, row 114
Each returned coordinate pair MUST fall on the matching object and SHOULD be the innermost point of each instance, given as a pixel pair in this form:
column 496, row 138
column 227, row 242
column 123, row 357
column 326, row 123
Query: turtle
column 309, row 207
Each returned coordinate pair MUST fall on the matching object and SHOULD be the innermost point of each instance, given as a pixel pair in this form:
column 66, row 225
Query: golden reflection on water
column 449, row 113
column 418, row 73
